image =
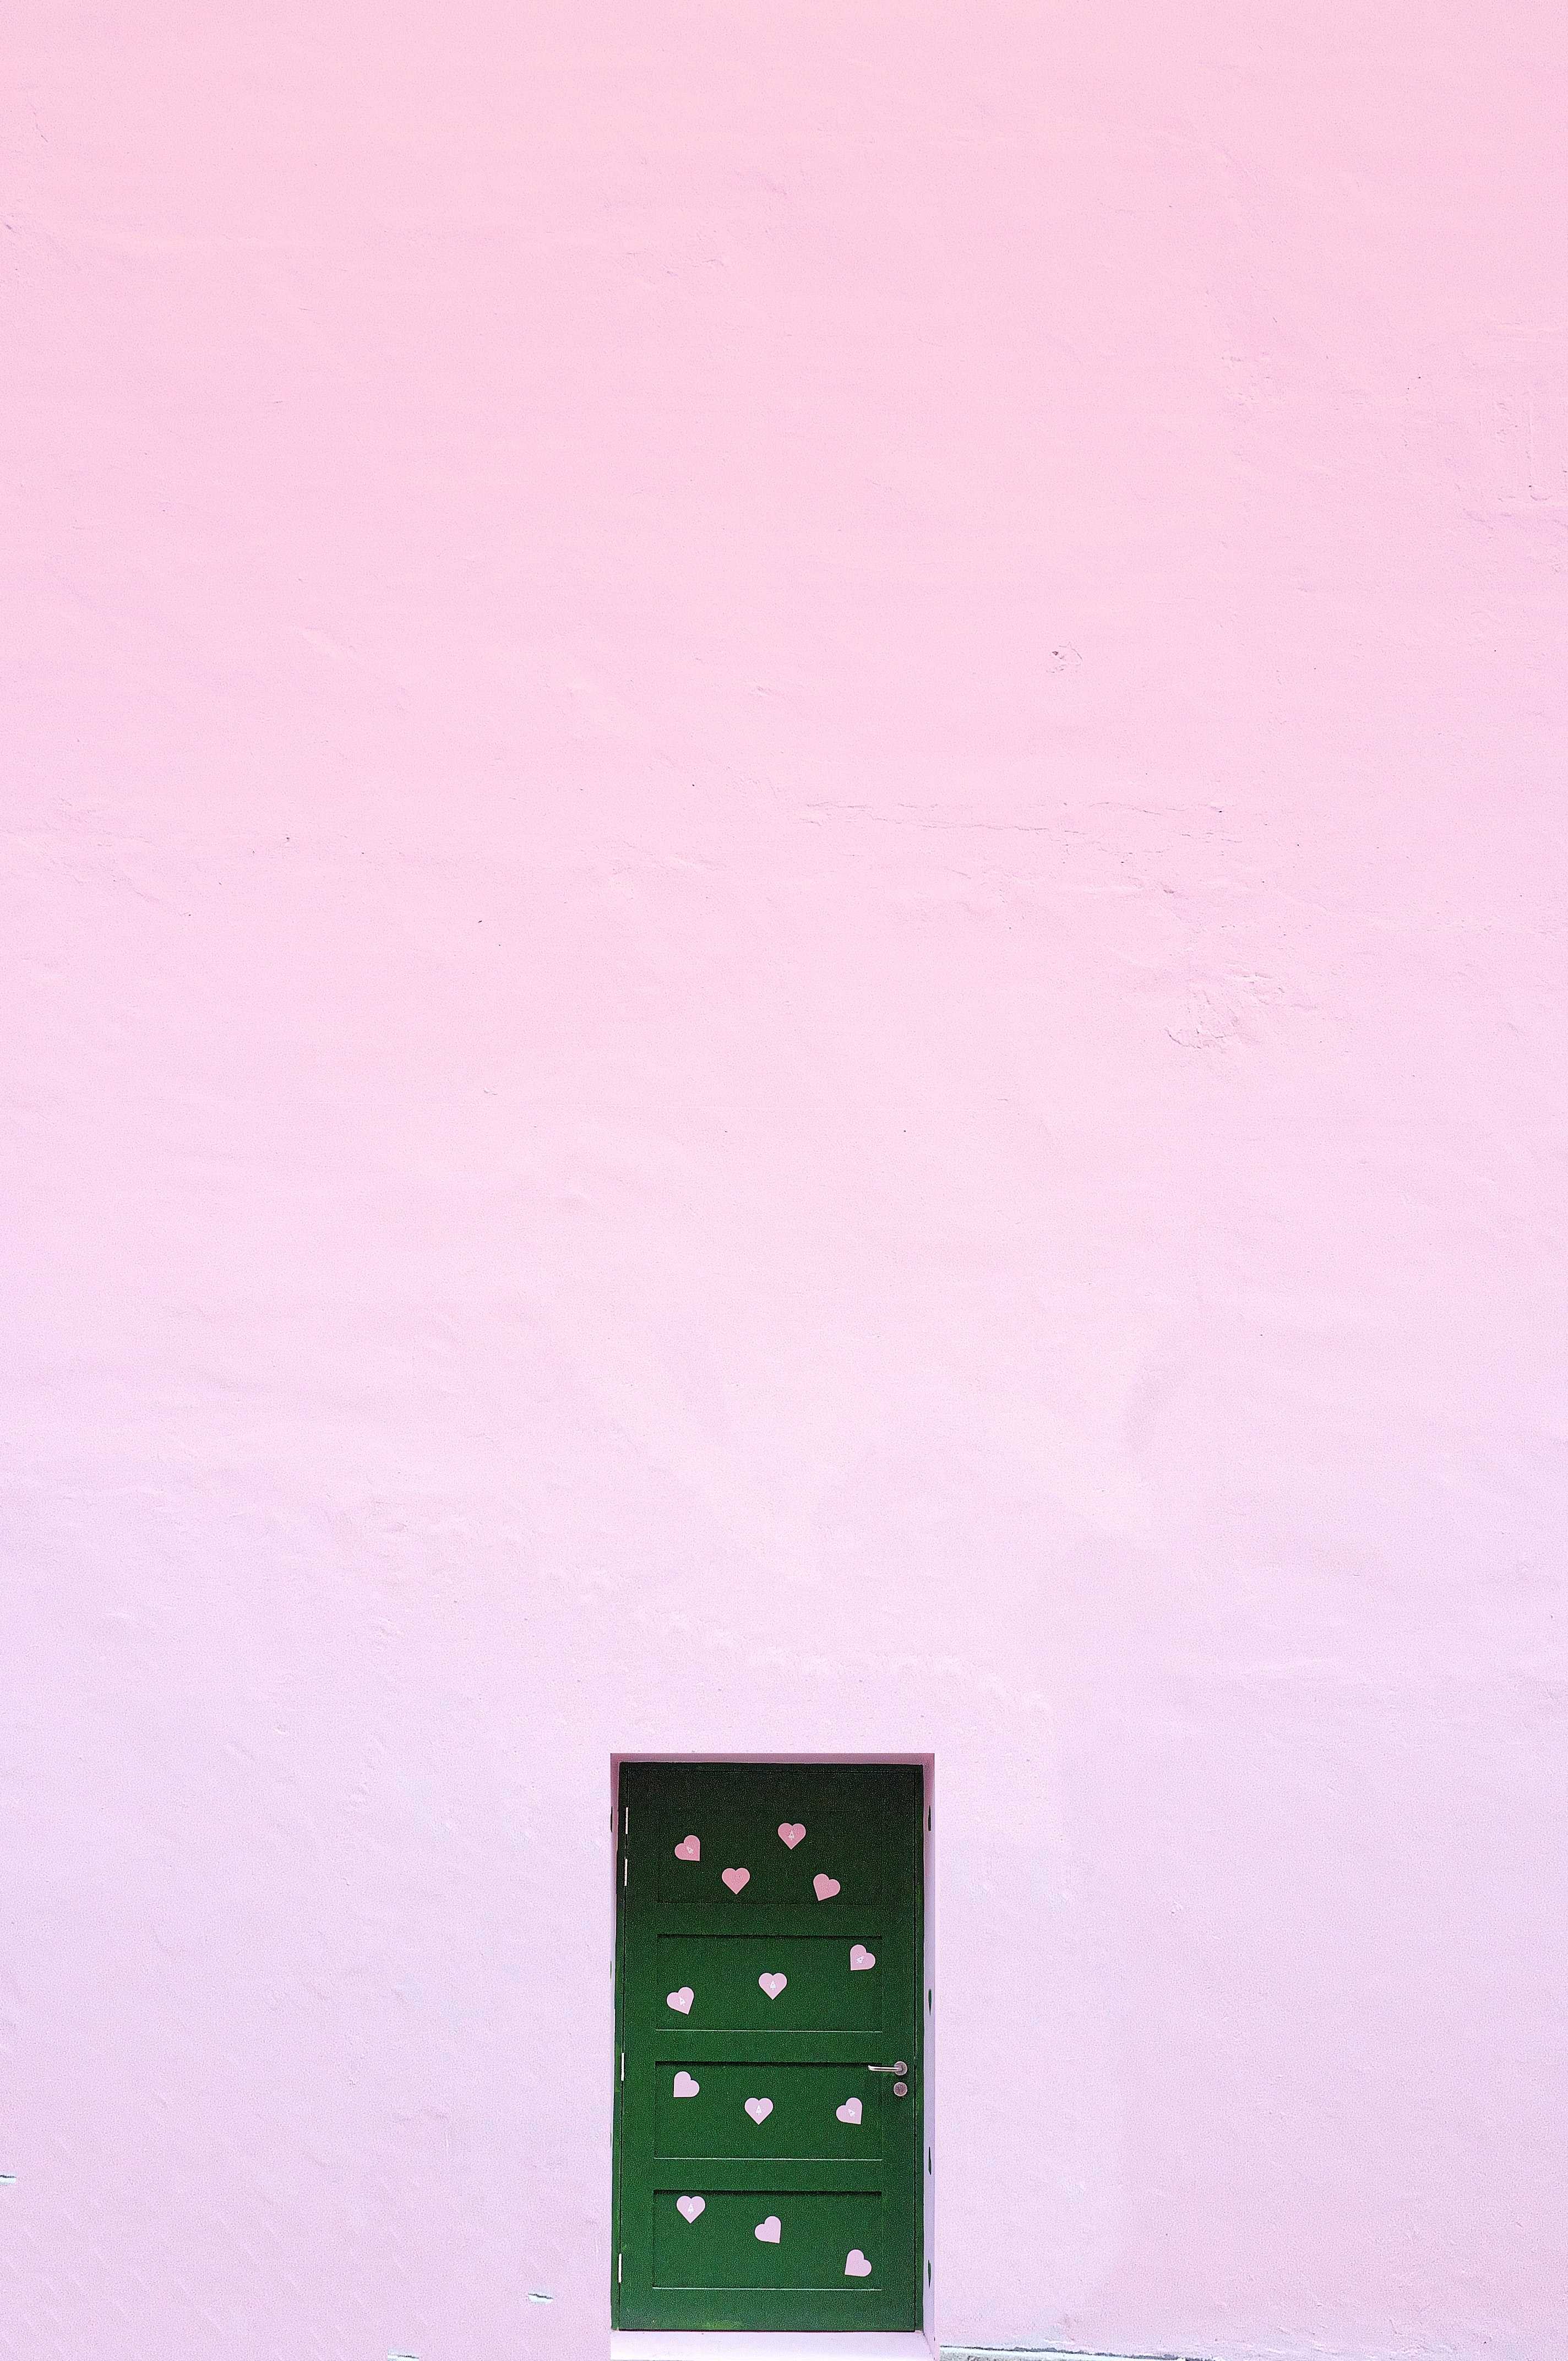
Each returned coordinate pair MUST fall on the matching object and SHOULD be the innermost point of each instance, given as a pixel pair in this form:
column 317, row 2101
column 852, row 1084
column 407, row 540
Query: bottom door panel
column 729, row 2238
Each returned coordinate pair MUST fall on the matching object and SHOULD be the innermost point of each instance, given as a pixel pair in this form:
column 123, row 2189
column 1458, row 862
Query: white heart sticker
column 772, row 1986
column 824, row 1887
column 791, row 1833
column 856, row 2266
column 688, row 1849
column 768, row 2231
column 758, row 2110
column 736, row 1878
column 850, row 2113
column 691, row 2206
column 682, row 2000
column 685, row 2088
column 861, row 1958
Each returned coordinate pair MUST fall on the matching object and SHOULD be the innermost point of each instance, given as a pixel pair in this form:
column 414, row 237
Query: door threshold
column 766, row 2344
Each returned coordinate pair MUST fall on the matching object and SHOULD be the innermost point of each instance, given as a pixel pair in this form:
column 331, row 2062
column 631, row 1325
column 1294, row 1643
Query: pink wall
column 783, row 966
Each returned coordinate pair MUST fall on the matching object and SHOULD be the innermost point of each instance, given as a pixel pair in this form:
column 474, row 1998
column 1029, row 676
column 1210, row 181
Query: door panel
column 767, row 2109
column 811, row 1981
column 783, row 1986
column 834, row 1847
column 721, row 2248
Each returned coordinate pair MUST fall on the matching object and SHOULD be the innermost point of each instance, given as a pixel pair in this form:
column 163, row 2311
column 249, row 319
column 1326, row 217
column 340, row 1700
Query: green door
column 768, row 1962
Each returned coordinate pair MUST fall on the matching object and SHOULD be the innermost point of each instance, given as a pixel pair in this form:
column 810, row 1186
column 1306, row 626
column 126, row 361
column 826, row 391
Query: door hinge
column 625, row 1869
column 623, row 2065
column 619, row 2260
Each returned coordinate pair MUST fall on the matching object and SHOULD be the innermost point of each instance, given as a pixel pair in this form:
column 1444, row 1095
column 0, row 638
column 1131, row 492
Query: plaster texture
column 783, row 969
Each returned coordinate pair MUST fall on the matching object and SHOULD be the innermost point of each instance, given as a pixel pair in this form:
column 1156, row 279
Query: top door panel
column 806, row 1851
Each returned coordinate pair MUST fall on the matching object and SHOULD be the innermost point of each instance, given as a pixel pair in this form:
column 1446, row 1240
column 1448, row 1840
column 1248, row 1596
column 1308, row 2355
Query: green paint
column 836, row 2188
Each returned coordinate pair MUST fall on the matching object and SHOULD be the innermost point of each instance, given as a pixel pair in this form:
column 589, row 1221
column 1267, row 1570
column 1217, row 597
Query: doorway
column 769, row 2119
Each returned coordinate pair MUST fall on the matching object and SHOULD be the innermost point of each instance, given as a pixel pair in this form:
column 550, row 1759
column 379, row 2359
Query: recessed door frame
column 820, row 2345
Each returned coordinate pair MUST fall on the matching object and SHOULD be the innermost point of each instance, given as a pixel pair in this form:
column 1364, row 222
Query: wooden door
column 768, row 2164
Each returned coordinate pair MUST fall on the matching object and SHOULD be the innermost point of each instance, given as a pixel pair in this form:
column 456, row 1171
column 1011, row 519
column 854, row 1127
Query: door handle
column 899, row 2068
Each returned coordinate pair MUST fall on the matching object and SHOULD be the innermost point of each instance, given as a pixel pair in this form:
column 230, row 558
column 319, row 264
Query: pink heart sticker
column 856, row 2266
column 824, row 1887
column 861, row 1958
column 688, row 1849
column 682, row 2000
column 736, row 1878
column 758, row 2110
column 850, row 2113
column 768, row 2231
column 792, row 1831
column 772, row 1986
column 691, row 2206
column 683, row 2087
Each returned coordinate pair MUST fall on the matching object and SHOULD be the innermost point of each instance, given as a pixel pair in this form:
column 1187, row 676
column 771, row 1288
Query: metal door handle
column 899, row 2068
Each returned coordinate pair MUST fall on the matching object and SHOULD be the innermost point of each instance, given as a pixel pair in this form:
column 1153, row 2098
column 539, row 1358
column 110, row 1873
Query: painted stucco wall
column 783, row 968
